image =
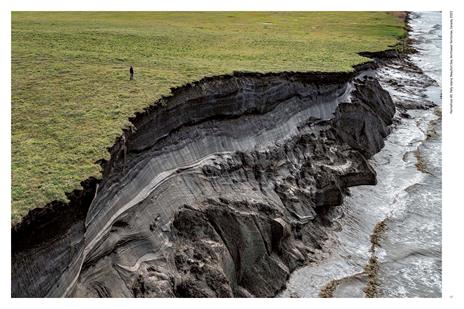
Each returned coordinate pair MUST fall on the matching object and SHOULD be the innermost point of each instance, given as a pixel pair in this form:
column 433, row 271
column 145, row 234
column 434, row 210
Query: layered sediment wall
column 219, row 190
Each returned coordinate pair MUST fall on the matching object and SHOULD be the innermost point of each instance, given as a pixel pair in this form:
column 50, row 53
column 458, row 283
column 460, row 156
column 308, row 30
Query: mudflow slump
column 386, row 239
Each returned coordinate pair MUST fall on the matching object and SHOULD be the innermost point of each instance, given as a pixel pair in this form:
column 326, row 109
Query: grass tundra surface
column 71, row 93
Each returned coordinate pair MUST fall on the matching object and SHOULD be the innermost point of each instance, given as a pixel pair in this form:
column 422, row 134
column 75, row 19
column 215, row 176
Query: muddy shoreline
column 375, row 248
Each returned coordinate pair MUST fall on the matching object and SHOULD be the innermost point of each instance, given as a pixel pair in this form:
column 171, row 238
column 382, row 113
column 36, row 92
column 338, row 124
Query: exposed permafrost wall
column 219, row 190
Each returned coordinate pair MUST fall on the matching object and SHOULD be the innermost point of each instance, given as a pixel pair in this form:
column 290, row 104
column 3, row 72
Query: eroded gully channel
column 386, row 239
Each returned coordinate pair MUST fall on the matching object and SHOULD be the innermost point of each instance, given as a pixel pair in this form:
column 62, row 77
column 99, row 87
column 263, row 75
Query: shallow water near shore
column 407, row 197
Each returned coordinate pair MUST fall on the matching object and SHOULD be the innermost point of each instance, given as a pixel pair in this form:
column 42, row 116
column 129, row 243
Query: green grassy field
column 71, row 93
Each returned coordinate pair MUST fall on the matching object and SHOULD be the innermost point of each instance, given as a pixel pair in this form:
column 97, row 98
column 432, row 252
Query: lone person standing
column 131, row 71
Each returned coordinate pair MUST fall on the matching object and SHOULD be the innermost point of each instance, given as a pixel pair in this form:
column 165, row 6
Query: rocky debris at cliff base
column 407, row 84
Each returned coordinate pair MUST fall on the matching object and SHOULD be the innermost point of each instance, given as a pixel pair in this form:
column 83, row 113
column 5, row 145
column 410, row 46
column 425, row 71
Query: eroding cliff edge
column 219, row 190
